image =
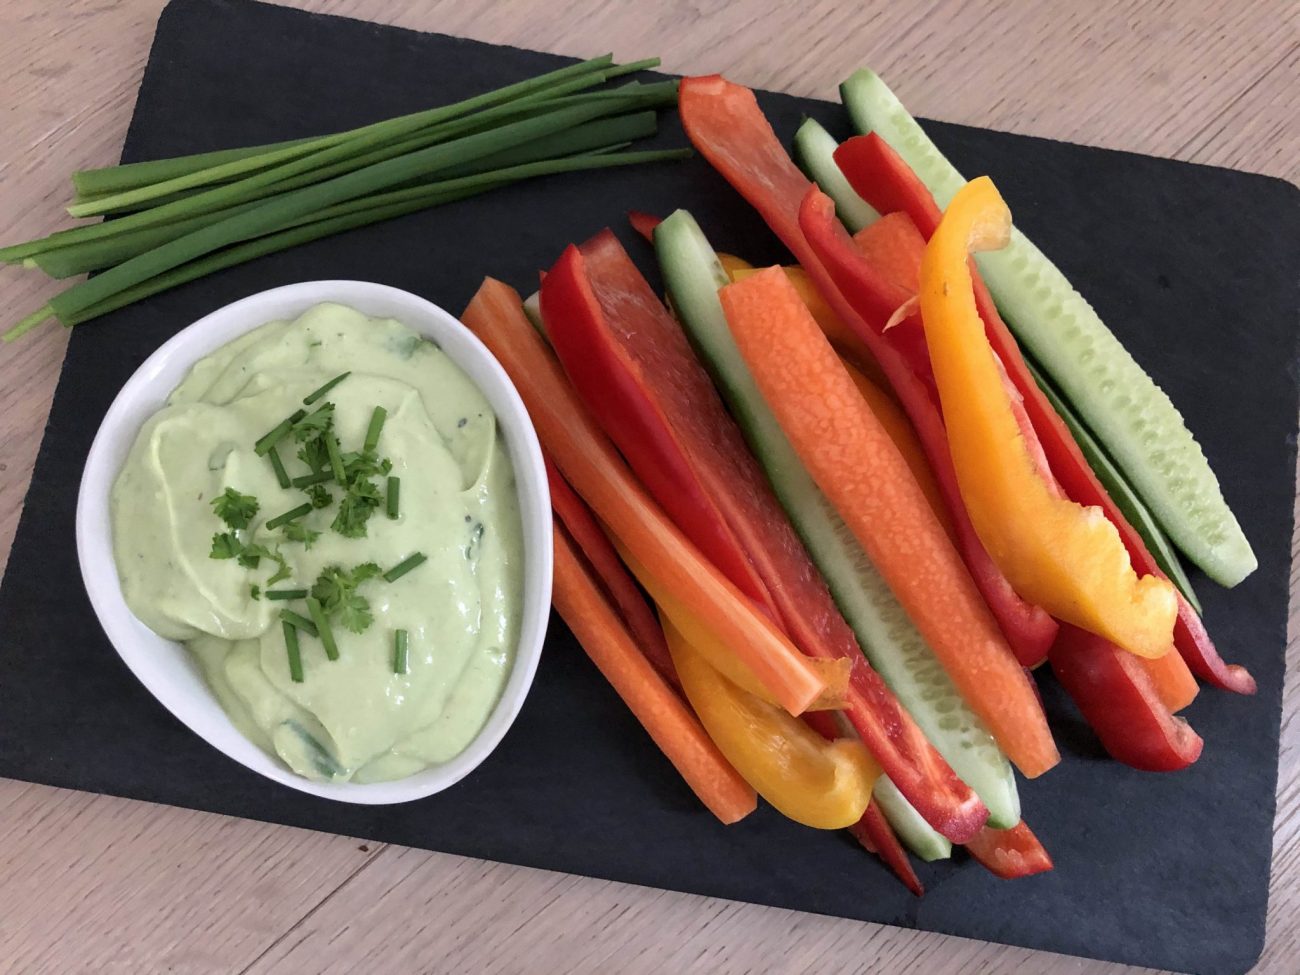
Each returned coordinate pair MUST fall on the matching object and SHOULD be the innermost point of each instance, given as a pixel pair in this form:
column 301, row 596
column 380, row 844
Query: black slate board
column 1194, row 267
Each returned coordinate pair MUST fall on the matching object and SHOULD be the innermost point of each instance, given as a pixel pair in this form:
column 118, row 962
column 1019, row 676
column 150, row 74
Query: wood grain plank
column 96, row 884
column 1259, row 130
column 164, row 889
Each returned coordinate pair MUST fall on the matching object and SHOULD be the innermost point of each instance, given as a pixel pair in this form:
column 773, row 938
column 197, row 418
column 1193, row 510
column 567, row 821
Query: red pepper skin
column 1116, row 696
column 633, row 366
column 885, row 181
column 724, row 122
column 1010, row 853
column 644, row 223
column 880, row 176
column 1028, row 629
column 604, row 381
column 872, row 830
column 875, row 834
column 612, row 574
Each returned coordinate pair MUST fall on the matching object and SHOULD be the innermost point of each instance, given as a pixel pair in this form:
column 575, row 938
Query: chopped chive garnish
column 326, row 388
column 404, row 566
column 285, row 594
column 307, row 480
column 336, row 459
column 269, row 440
column 394, row 493
column 288, row 516
column 281, row 475
column 401, row 653
column 299, row 621
column 295, row 654
column 377, row 419
column 323, row 625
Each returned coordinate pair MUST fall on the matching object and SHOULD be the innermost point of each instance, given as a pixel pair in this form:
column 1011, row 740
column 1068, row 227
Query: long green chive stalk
column 341, row 158
column 93, row 255
column 166, row 176
column 281, row 209
column 196, row 215
column 361, row 213
column 337, row 160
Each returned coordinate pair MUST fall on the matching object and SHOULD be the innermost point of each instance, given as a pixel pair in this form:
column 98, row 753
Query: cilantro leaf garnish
column 235, row 509
column 225, row 545
column 336, row 590
column 314, row 454
column 315, row 423
column 296, row 531
column 360, row 502
column 319, row 496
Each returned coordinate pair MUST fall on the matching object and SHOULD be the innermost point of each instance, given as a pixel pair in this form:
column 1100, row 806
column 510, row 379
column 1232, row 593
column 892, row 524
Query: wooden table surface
column 95, row 884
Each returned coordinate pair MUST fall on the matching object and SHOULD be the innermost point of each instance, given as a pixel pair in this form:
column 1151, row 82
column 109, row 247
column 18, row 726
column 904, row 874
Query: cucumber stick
column 814, row 151
column 693, row 275
column 1129, row 504
column 533, row 309
column 1132, row 417
column 917, row 835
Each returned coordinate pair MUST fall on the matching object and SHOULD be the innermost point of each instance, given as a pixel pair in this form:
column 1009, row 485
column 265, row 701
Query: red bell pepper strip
column 724, row 122
column 644, row 223
column 592, row 465
column 872, row 167
column 883, row 179
column 632, row 365
column 1010, row 853
column 592, row 361
column 611, row 573
column 875, row 834
column 872, row 830
column 1119, row 701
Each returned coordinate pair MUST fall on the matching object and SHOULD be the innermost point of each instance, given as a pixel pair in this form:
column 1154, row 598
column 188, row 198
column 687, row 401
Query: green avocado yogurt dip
column 395, row 548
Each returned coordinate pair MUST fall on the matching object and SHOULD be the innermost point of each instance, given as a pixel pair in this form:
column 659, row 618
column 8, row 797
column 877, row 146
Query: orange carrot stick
column 663, row 714
column 589, row 462
column 894, row 247
column 612, row 574
column 1173, row 680
column 899, row 428
column 852, row 459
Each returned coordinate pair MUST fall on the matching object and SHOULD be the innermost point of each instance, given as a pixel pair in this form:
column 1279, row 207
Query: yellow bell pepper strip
column 835, row 671
column 1057, row 554
column 818, row 783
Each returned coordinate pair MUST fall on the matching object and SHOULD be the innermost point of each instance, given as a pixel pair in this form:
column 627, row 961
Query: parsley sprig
column 336, row 591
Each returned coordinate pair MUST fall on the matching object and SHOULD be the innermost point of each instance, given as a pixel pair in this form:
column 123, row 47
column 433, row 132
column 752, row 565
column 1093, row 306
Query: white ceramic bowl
column 165, row 667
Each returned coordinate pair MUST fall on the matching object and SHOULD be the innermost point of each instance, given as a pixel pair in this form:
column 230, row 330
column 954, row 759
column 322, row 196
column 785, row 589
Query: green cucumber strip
column 814, row 151
column 533, row 309
column 890, row 641
column 1134, row 419
column 1129, row 504
column 917, row 835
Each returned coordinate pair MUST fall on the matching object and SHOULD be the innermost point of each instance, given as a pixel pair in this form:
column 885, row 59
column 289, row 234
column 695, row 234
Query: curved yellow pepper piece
column 1057, row 554
column 819, row 783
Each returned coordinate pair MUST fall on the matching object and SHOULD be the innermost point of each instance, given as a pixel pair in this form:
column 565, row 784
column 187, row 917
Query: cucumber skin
column 1131, row 415
column 814, row 150
column 917, row 835
column 1129, row 504
column 692, row 276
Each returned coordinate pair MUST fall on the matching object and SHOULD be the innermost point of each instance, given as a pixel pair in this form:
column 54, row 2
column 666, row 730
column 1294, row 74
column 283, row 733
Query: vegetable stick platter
column 1193, row 267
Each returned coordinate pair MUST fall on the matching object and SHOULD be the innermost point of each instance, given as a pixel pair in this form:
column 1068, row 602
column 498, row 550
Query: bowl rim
column 144, row 393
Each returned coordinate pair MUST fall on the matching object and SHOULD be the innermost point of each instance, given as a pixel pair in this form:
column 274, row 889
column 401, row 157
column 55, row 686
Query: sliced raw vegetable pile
column 815, row 522
column 175, row 220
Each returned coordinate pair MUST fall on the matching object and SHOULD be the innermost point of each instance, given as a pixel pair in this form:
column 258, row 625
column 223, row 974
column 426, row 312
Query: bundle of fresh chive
column 180, row 219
